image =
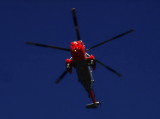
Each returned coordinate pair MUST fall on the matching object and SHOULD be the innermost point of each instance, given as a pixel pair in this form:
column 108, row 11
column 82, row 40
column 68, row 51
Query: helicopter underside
column 84, row 74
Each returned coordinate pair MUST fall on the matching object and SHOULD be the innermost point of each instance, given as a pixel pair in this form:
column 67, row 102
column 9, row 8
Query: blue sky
column 27, row 89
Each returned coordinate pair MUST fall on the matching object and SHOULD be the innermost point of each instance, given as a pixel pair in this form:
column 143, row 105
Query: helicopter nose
column 76, row 48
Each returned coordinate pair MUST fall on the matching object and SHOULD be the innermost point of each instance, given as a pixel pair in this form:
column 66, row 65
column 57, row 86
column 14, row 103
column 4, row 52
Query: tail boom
column 94, row 103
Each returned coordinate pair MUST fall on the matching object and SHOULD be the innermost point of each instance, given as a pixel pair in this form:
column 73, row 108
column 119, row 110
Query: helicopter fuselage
column 81, row 62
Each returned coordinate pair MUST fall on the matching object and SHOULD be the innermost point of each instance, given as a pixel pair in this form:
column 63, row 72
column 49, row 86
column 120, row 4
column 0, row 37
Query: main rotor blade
column 120, row 35
column 112, row 70
column 47, row 46
column 61, row 77
column 75, row 23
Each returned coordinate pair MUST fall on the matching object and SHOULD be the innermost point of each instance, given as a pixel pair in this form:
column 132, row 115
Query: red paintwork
column 78, row 52
column 91, row 93
column 91, row 57
column 68, row 61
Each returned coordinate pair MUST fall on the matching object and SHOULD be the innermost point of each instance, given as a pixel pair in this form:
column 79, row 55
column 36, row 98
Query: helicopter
column 82, row 62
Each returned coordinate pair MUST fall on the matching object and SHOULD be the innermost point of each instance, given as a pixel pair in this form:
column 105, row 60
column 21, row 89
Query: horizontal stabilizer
column 93, row 105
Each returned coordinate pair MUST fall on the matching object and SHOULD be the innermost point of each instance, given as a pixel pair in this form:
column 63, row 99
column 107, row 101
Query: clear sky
column 27, row 73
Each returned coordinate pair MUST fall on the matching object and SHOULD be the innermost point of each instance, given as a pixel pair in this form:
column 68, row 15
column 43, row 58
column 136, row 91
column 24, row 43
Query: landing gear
column 91, row 61
column 69, row 65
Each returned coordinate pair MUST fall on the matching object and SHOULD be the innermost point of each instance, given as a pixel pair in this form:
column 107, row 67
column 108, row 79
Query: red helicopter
column 82, row 61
